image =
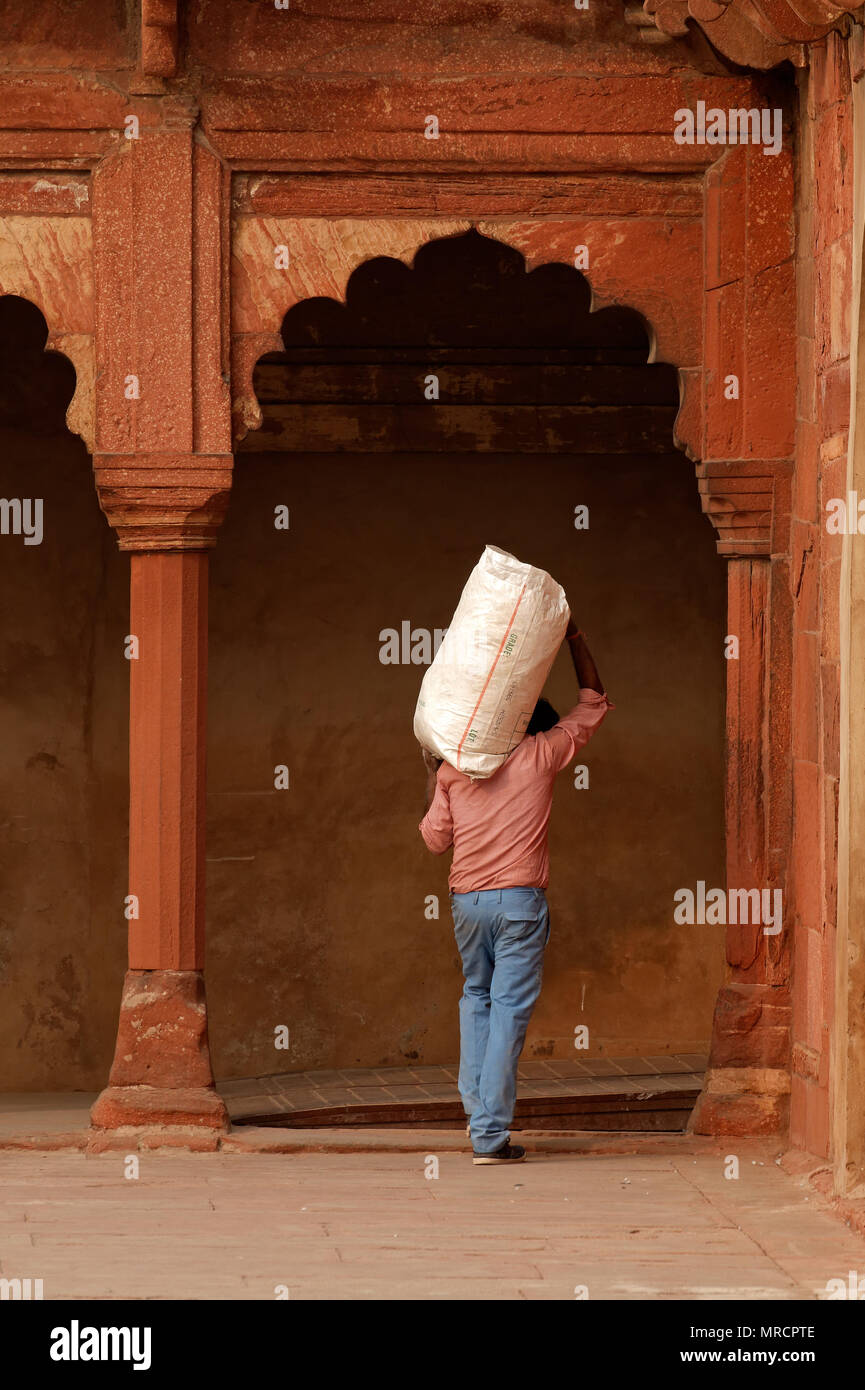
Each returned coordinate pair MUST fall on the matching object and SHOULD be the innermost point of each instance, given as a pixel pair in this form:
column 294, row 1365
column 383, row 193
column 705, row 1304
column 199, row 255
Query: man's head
column 543, row 718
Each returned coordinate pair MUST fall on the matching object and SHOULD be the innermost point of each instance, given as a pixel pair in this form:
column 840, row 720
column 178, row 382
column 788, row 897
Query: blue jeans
column 501, row 934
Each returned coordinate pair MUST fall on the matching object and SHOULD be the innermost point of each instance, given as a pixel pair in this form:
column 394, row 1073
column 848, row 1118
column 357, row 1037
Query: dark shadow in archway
column 466, row 291
column 493, row 334
column 64, row 722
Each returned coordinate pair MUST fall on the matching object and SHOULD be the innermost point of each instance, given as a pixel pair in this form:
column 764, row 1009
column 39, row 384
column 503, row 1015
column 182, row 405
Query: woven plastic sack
column 478, row 695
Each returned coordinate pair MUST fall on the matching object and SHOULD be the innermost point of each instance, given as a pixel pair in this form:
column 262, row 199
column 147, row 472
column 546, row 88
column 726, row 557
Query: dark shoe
column 508, row 1153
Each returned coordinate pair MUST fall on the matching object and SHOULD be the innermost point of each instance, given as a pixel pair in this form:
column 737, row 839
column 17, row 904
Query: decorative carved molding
column 754, row 33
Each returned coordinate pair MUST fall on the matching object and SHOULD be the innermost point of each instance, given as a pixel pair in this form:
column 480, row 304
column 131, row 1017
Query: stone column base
column 743, row 1101
column 122, row 1106
column 161, row 1074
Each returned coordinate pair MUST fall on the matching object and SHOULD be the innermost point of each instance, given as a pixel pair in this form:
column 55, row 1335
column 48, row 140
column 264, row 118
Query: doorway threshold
column 649, row 1094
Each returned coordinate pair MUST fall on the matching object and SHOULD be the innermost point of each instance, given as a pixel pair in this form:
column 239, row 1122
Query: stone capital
column 164, row 501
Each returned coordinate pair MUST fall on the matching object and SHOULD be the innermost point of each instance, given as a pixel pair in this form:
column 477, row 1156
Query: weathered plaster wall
column 316, row 894
column 63, row 754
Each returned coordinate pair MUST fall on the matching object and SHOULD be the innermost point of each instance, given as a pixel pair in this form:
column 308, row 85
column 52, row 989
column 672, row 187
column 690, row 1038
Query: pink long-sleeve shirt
column 497, row 826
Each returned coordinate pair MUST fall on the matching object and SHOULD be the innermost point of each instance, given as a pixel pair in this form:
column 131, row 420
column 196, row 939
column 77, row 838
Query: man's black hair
column 543, row 718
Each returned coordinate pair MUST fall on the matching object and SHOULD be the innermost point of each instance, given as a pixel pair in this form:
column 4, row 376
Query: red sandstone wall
column 824, row 285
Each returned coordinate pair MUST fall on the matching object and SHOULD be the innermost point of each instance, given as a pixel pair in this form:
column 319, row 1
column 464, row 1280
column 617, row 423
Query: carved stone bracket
column 164, row 501
column 747, row 501
column 755, row 33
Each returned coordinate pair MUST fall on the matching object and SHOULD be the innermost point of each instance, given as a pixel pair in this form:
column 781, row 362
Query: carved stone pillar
column 163, row 466
column 161, row 1073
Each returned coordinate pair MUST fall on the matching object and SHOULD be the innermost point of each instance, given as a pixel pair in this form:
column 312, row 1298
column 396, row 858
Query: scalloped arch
column 47, row 261
column 324, row 255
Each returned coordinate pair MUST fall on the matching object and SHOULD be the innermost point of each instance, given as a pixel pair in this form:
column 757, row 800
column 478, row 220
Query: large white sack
column 478, row 695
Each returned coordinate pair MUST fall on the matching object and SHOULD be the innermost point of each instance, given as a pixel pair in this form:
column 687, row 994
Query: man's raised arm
column 584, row 666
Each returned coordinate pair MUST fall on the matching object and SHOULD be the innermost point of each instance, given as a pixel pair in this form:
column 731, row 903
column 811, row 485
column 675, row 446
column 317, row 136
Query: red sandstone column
column 746, row 1090
column 163, row 463
column 161, row 1073
column 168, row 607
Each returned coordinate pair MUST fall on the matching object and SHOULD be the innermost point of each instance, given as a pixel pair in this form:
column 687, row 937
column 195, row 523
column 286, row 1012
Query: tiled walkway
column 326, row 1090
column 661, row 1225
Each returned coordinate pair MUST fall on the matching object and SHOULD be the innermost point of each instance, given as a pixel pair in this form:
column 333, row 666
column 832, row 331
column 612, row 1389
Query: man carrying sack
column 497, row 828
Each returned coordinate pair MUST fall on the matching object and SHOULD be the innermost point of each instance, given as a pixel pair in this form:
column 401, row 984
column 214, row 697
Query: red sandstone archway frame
column 709, row 264
column 698, row 239
column 535, row 142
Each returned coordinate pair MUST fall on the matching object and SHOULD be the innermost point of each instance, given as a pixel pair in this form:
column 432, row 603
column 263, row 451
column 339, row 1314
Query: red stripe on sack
column 490, row 676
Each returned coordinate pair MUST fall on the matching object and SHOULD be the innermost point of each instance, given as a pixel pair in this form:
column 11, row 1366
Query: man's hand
column 431, row 762
column 432, row 765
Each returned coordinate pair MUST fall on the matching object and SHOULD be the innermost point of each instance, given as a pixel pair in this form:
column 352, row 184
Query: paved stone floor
column 661, row 1224
column 316, row 1090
